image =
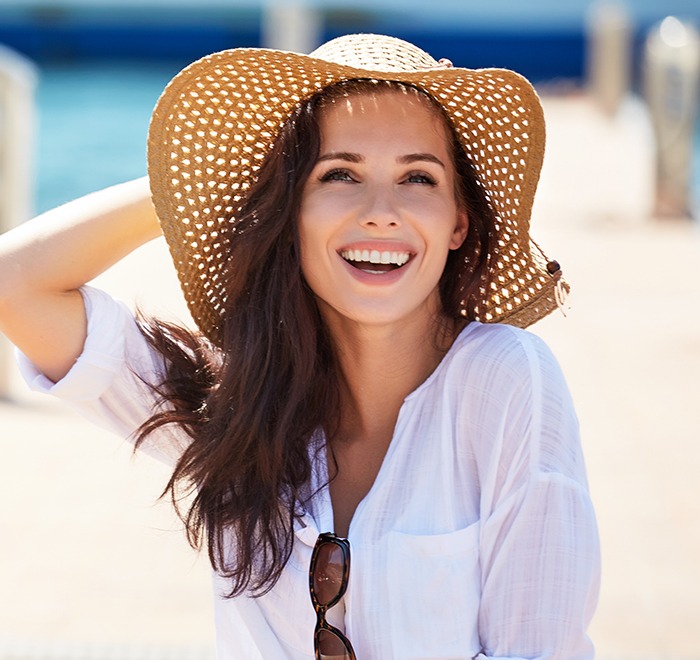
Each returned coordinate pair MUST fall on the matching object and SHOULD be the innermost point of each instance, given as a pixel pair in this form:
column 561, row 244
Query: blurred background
column 92, row 567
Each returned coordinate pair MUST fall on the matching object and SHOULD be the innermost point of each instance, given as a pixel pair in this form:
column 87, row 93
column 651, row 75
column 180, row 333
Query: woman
column 350, row 230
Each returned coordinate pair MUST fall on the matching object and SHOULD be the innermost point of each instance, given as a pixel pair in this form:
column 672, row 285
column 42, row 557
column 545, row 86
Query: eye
column 421, row 177
column 337, row 174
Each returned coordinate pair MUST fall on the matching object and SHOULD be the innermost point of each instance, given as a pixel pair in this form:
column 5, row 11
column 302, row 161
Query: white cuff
column 102, row 356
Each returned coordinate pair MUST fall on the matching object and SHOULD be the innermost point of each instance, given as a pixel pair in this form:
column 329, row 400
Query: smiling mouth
column 374, row 261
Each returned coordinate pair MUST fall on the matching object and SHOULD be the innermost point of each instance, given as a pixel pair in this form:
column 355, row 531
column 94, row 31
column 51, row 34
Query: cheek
column 315, row 226
column 309, row 225
column 311, row 253
column 304, row 253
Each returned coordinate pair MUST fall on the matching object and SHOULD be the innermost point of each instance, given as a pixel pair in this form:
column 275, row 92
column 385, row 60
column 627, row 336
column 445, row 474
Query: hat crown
column 375, row 53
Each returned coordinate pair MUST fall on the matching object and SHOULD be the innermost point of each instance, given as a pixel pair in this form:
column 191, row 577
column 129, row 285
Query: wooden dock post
column 672, row 88
column 18, row 79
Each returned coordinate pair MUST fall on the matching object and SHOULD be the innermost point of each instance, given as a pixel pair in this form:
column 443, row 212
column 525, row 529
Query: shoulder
column 513, row 387
column 502, row 356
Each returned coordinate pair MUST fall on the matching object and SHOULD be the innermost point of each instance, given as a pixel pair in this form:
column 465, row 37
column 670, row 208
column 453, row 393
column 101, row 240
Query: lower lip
column 376, row 279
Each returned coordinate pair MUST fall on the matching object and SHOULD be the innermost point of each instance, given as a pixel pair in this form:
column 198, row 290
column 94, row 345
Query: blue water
column 92, row 127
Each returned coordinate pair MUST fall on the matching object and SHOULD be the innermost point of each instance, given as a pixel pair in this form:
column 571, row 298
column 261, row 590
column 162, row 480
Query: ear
column 460, row 230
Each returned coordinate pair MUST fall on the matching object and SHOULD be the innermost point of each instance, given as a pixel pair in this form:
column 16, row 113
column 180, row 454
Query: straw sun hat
column 217, row 119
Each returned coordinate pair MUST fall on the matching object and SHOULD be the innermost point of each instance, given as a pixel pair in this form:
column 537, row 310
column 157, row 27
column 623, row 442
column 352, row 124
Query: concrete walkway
column 89, row 566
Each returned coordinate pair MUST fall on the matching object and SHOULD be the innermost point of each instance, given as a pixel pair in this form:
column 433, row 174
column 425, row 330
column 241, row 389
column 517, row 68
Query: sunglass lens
column 332, row 647
column 328, row 573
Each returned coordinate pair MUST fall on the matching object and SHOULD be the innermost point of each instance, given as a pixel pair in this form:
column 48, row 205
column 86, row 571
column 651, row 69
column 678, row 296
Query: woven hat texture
column 217, row 119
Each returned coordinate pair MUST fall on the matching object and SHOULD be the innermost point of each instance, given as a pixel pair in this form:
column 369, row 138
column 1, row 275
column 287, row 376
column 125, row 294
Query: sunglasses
column 328, row 581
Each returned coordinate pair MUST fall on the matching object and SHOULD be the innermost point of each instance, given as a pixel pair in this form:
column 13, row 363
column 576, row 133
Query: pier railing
column 18, row 79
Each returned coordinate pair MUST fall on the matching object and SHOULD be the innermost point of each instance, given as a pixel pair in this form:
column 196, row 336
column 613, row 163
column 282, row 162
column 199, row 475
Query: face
column 379, row 213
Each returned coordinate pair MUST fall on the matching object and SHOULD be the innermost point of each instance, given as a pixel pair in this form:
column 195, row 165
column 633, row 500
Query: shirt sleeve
column 540, row 553
column 110, row 382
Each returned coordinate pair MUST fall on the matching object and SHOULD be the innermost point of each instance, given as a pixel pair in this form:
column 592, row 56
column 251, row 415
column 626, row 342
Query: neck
column 381, row 365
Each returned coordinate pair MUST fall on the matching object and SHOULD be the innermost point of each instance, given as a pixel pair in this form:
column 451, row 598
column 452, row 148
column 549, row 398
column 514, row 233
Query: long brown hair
column 253, row 406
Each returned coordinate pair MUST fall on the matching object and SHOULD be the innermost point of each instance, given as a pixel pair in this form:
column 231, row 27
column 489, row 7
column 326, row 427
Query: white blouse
column 477, row 540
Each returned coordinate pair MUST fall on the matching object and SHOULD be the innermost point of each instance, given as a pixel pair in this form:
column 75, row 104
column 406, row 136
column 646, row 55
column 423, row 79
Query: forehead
column 366, row 96
column 382, row 113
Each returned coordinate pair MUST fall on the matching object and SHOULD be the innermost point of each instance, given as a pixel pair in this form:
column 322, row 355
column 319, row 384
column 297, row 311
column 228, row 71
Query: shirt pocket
column 434, row 592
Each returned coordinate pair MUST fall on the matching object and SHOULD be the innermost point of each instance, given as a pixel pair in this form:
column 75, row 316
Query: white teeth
column 376, row 257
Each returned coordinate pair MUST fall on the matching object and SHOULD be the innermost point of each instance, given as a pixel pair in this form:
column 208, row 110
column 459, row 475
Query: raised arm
column 45, row 261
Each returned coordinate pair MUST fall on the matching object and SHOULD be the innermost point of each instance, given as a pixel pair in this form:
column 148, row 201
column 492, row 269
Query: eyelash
column 426, row 178
column 335, row 174
column 332, row 174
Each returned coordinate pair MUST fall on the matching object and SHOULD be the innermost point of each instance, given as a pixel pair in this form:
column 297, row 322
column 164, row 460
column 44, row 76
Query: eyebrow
column 413, row 158
column 358, row 158
column 341, row 155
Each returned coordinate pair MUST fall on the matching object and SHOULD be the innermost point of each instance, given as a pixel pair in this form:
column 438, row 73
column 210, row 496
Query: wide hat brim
column 217, row 119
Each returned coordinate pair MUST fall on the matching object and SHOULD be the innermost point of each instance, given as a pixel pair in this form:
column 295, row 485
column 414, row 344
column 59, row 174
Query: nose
column 380, row 210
